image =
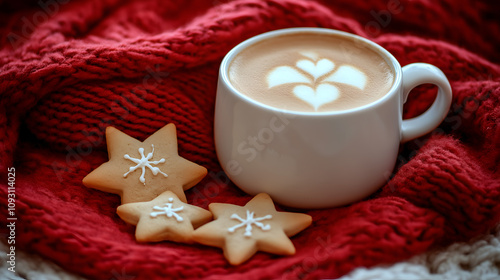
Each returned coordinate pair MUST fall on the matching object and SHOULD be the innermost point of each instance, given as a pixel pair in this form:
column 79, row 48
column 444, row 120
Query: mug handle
column 422, row 73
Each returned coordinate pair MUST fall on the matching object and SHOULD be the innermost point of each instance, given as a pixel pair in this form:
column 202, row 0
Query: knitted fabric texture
column 68, row 69
column 476, row 259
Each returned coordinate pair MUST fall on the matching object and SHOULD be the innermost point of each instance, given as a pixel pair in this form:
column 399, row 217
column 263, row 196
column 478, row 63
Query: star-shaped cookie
column 140, row 171
column 241, row 231
column 164, row 218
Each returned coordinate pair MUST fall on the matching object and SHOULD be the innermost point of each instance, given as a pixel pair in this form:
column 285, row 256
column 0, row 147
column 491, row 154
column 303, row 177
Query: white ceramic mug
column 326, row 159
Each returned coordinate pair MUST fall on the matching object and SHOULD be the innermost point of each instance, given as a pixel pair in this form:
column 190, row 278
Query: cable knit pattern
column 477, row 259
column 68, row 69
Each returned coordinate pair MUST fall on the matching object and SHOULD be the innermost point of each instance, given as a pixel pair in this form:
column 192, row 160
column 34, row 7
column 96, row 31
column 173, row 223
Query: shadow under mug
column 326, row 159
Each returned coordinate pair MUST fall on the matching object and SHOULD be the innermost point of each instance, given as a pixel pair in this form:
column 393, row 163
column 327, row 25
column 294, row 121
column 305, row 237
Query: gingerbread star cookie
column 164, row 218
column 241, row 231
column 140, row 171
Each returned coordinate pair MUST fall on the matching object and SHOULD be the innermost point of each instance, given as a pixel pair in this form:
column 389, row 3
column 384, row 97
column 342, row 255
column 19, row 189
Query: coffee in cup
column 311, row 72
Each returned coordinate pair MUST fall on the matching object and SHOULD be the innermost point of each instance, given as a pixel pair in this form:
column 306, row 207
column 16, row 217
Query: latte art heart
column 318, row 69
column 318, row 90
column 316, row 97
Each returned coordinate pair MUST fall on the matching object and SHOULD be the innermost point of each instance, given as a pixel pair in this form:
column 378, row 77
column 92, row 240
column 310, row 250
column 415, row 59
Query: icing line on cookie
column 168, row 211
column 144, row 162
column 248, row 222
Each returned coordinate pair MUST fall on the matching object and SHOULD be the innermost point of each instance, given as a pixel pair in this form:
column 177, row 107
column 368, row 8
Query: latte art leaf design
column 286, row 75
column 349, row 75
column 316, row 78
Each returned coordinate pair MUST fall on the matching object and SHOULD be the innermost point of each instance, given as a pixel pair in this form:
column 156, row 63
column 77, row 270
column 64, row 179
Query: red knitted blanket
column 68, row 69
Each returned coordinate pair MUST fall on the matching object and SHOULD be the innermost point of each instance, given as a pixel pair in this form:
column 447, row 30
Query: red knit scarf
column 70, row 68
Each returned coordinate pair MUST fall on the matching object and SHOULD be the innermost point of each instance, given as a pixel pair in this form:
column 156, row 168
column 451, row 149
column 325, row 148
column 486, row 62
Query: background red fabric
column 68, row 69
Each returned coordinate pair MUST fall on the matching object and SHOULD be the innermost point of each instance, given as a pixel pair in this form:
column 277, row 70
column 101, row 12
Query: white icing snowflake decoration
column 144, row 162
column 248, row 222
column 168, row 211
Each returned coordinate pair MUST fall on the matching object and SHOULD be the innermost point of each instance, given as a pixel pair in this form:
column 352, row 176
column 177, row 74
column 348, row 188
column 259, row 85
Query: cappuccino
column 311, row 72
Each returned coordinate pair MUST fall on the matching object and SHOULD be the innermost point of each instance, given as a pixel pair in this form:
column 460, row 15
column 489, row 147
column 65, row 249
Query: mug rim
column 386, row 55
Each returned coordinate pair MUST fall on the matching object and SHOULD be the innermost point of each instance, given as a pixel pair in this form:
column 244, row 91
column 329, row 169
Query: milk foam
column 311, row 72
